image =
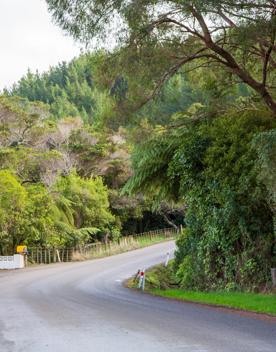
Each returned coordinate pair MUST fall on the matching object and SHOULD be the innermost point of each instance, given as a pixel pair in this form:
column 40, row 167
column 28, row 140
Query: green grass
column 146, row 241
column 260, row 303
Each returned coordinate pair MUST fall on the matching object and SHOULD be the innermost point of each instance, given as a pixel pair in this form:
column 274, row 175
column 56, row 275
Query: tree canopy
column 231, row 34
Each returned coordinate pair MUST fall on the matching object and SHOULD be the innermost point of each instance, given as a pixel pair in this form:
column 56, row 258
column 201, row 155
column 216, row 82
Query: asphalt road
column 77, row 307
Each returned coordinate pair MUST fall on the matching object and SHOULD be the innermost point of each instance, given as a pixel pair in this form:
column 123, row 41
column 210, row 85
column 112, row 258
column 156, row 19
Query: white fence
column 12, row 262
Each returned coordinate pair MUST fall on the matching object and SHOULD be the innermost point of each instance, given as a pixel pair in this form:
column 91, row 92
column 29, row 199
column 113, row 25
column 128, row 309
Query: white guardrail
column 12, row 262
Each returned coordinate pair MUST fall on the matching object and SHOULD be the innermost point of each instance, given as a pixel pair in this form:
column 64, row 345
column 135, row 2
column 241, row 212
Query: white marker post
column 141, row 283
column 144, row 280
column 167, row 259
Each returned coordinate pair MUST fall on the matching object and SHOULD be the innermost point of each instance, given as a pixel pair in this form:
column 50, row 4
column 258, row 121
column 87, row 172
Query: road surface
column 79, row 307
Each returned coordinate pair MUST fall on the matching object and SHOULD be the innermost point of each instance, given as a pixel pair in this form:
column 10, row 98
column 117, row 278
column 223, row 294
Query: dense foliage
column 71, row 212
column 70, row 89
column 212, row 165
column 73, row 169
column 47, row 196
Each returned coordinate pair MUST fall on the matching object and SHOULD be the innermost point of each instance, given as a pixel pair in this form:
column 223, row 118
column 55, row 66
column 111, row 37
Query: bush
column 229, row 236
column 161, row 277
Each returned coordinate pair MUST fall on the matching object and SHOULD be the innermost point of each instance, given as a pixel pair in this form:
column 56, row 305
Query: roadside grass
column 255, row 302
column 161, row 281
column 146, row 241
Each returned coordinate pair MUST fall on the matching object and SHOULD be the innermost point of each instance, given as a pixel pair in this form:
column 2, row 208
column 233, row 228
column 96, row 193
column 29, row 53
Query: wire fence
column 43, row 255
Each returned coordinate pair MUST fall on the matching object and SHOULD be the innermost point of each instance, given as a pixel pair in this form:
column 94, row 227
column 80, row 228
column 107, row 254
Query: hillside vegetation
column 175, row 125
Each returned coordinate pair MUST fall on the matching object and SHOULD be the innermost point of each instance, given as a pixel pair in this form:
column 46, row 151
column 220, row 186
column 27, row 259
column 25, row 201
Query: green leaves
column 74, row 212
column 24, row 213
column 157, row 38
column 211, row 166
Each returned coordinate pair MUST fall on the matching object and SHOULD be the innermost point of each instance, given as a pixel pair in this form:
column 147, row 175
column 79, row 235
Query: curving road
column 77, row 307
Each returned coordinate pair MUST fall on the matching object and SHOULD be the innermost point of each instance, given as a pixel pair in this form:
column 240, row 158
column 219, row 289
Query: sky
column 29, row 39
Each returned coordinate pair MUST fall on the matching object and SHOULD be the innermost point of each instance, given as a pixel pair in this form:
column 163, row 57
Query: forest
column 175, row 125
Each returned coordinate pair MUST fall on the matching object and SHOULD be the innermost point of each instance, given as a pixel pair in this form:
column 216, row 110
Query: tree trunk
column 168, row 221
column 229, row 61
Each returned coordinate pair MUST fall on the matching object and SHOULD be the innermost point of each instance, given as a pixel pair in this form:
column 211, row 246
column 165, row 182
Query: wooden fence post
column 273, row 276
column 58, row 256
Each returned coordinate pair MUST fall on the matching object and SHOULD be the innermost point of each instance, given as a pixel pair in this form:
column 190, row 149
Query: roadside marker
column 142, row 278
column 167, row 259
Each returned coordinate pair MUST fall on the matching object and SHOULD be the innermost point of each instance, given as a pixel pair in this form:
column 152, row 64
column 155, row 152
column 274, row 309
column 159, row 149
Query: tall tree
column 230, row 33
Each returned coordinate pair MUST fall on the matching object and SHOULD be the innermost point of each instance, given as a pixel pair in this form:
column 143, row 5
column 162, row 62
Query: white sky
column 29, row 39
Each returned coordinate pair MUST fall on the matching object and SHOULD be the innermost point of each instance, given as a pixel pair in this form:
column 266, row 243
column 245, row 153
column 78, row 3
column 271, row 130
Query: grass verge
column 161, row 281
column 254, row 302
